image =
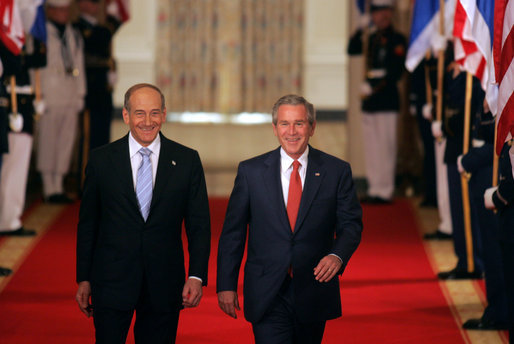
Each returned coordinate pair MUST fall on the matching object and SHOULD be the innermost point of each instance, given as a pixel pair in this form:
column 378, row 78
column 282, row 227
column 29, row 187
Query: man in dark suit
column 299, row 209
column 129, row 248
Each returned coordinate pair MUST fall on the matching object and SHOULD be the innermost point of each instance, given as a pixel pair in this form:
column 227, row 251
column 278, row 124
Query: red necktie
column 295, row 195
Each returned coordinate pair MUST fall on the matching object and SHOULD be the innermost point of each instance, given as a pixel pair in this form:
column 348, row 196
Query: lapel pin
column 317, row 174
column 173, row 162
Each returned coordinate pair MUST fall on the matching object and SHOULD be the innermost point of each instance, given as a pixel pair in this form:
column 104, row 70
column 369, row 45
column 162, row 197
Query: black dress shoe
column 481, row 324
column 437, row 235
column 5, row 271
column 19, row 232
column 59, row 199
column 459, row 274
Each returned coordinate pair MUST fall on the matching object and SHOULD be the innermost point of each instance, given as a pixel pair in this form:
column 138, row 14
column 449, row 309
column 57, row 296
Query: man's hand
column 192, row 293
column 82, row 298
column 327, row 268
column 228, row 302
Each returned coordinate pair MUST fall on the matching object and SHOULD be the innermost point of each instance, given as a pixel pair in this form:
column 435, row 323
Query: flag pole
column 14, row 101
column 37, row 90
column 440, row 66
column 428, row 84
column 465, row 176
column 365, row 38
column 496, row 158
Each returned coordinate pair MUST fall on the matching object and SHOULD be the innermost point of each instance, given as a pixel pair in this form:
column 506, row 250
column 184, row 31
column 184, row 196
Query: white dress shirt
column 136, row 158
column 286, row 168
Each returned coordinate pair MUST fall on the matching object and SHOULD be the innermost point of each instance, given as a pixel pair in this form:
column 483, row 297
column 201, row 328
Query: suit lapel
column 121, row 162
column 273, row 184
column 165, row 169
column 313, row 177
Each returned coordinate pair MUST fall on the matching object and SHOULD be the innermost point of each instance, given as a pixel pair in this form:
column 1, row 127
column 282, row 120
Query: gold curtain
column 228, row 56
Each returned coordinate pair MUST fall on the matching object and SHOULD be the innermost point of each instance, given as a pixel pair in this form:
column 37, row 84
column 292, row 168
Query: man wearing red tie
column 299, row 210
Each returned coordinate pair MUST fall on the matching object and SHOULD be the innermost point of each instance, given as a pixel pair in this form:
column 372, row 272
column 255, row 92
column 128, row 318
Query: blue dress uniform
column 98, row 63
column 384, row 65
column 503, row 199
column 418, row 99
column 479, row 162
column 453, row 128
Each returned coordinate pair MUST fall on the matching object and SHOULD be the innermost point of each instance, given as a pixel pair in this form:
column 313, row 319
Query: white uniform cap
column 58, row 3
column 382, row 3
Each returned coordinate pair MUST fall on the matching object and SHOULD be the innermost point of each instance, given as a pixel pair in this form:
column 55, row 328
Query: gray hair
column 293, row 99
column 131, row 90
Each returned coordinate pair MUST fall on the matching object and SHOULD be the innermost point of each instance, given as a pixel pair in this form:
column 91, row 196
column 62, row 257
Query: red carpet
column 389, row 291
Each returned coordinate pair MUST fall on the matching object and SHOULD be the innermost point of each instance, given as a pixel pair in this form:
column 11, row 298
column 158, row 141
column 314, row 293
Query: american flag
column 473, row 32
column 503, row 48
column 11, row 27
column 119, row 9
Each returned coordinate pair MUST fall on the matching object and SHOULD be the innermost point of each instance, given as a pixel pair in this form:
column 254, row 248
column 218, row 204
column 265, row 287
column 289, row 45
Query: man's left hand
column 192, row 293
column 327, row 268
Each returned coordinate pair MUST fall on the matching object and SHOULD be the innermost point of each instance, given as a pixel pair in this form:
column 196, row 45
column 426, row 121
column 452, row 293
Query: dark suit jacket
column 329, row 221
column 117, row 251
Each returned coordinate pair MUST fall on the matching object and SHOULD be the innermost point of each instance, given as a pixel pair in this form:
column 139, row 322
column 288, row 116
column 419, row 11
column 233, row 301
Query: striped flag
column 33, row 18
column 361, row 5
column 424, row 33
column 504, row 68
column 473, row 32
column 119, row 9
column 11, row 29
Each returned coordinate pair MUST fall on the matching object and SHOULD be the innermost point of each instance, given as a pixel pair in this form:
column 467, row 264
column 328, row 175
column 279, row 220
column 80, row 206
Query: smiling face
column 293, row 129
column 144, row 115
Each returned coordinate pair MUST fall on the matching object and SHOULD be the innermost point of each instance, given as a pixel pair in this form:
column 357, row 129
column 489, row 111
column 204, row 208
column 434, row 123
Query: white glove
column 438, row 43
column 364, row 20
column 366, row 89
column 488, row 197
column 112, row 78
column 459, row 164
column 39, row 106
column 437, row 130
column 427, row 112
column 16, row 122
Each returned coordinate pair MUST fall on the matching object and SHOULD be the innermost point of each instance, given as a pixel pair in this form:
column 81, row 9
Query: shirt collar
column 135, row 146
column 286, row 161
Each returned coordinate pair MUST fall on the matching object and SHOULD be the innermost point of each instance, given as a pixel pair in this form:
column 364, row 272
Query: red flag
column 11, row 27
column 503, row 49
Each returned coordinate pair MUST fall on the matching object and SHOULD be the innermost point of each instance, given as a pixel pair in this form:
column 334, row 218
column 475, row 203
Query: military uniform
column 503, row 199
column 384, row 64
column 453, row 128
column 479, row 162
column 99, row 63
column 16, row 163
column 63, row 89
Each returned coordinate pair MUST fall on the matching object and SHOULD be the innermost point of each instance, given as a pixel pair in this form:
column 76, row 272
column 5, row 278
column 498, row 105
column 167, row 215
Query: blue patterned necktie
column 144, row 182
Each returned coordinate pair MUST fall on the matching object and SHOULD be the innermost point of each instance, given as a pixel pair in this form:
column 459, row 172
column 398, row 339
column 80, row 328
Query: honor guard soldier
column 15, row 167
column 63, row 90
column 478, row 162
column 385, row 59
column 99, row 65
column 502, row 199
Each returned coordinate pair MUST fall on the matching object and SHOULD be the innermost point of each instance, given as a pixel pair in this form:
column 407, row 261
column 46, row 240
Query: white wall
column 134, row 48
column 326, row 31
column 325, row 60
